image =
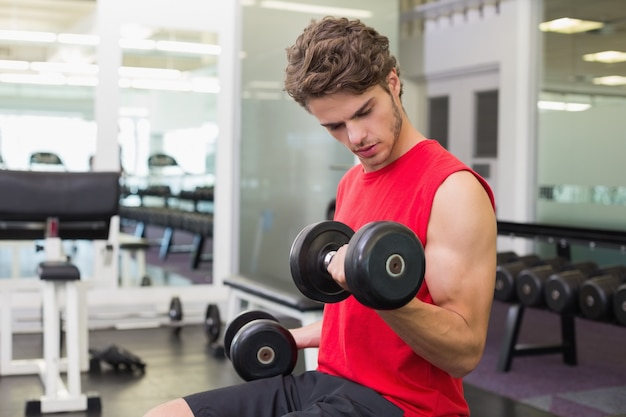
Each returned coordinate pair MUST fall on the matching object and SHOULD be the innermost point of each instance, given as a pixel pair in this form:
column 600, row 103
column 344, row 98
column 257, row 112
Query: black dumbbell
column 175, row 314
column 596, row 294
column 506, row 257
column 507, row 272
column 619, row 304
column 384, row 264
column 213, row 330
column 530, row 282
column 259, row 346
column 561, row 289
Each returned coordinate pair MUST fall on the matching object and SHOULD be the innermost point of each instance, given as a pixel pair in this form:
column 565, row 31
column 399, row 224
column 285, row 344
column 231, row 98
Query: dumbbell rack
column 563, row 237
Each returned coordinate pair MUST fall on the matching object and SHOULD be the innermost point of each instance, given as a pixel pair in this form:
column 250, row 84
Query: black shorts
column 310, row 394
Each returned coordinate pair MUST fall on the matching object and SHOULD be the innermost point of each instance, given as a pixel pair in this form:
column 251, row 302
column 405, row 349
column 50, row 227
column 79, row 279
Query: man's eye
column 333, row 128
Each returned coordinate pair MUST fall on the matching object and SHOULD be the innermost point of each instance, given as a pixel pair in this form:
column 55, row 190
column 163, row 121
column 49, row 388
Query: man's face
column 368, row 124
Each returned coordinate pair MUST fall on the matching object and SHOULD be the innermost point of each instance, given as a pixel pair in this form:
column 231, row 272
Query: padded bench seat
column 275, row 295
column 275, row 291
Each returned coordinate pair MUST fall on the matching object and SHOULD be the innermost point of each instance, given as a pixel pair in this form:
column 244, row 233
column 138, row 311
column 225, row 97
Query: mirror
column 167, row 134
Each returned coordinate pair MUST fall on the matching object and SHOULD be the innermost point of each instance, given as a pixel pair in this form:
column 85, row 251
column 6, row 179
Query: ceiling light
column 562, row 106
column 78, row 39
column 140, row 44
column 607, row 57
column 14, row 65
column 611, row 80
column 568, row 26
column 205, row 85
column 78, row 81
column 28, row 36
column 166, row 85
column 316, row 9
column 189, row 47
column 40, row 79
column 144, row 72
column 66, row 67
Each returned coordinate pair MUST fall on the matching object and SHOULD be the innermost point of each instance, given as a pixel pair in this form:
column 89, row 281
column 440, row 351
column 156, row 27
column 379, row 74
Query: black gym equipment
column 507, row 272
column 561, row 290
column 175, row 313
column 259, row 346
column 54, row 206
column 506, row 257
column 530, row 282
column 596, row 294
column 384, row 264
column 117, row 357
column 213, row 330
column 619, row 304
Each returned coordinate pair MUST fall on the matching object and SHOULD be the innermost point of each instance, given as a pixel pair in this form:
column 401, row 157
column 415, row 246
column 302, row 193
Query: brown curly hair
column 337, row 54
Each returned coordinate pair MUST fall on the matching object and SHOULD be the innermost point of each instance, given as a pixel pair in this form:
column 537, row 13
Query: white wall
column 463, row 45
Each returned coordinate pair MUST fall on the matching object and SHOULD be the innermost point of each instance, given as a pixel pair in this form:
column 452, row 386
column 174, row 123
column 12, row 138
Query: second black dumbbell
column 259, row 346
column 384, row 264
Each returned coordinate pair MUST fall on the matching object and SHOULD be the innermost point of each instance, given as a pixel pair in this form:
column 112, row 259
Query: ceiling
column 45, row 15
column 564, row 68
column 78, row 17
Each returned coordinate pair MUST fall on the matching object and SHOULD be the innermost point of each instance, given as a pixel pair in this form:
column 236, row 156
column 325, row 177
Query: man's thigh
column 309, row 394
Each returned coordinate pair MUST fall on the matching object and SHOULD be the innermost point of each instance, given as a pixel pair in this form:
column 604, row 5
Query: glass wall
column 290, row 165
column 581, row 140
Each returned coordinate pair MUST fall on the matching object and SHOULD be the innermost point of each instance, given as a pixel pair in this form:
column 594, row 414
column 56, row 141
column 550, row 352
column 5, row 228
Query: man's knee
column 174, row 408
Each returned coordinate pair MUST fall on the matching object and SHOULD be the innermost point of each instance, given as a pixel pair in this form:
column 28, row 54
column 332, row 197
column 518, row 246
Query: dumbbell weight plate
column 212, row 323
column 306, row 260
column 385, row 265
column 263, row 348
column 619, row 304
column 238, row 322
column 176, row 309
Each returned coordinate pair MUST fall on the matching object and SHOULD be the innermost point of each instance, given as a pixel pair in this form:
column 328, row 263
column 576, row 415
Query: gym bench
column 276, row 295
column 53, row 206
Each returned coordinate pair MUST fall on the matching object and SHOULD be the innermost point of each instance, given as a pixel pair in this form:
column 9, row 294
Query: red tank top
column 356, row 343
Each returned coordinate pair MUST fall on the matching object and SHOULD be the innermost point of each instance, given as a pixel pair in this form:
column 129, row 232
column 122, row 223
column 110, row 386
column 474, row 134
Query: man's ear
column 393, row 81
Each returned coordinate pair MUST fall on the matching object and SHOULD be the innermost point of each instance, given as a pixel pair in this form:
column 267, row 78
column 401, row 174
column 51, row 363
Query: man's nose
column 356, row 133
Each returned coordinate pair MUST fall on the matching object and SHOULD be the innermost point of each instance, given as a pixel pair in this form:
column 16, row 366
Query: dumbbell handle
column 328, row 258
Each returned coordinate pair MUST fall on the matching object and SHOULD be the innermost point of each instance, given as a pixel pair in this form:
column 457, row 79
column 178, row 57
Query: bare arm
column 460, row 271
column 308, row 336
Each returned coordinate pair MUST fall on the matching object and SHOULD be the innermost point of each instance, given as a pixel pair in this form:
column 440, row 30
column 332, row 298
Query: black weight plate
column 262, row 349
column 306, row 260
column 238, row 322
column 176, row 309
column 385, row 265
column 595, row 297
column 619, row 304
column 506, row 274
column 530, row 282
column 212, row 323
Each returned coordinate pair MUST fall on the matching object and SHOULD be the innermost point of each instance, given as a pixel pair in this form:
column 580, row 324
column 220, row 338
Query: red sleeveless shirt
column 356, row 343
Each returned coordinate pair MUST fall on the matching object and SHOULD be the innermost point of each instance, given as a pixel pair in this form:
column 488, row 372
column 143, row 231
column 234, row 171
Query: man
column 407, row 361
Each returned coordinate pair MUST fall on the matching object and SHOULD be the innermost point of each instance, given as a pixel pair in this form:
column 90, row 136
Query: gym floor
column 175, row 365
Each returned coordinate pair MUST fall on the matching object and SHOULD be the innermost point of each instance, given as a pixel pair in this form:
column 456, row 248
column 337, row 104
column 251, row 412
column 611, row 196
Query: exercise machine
column 54, row 206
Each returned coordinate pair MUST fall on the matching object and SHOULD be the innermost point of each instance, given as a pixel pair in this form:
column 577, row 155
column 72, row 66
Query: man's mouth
column 366, row 151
